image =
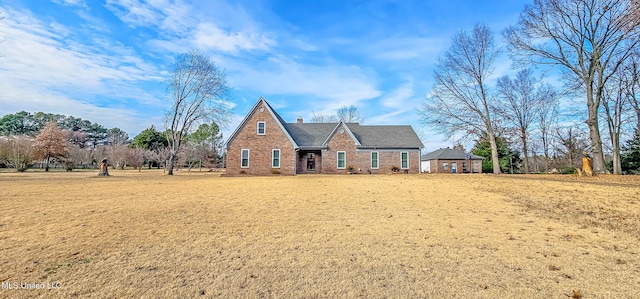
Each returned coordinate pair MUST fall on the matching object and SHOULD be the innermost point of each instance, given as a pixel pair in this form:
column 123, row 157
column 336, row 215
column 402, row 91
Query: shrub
column 275, row 171
column 351, row 169
column 243, row 172
column 395, row 169
column 568, row 170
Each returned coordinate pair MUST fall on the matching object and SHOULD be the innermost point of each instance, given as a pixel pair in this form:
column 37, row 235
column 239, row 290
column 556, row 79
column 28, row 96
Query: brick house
column 451, row 160
column 265, row 144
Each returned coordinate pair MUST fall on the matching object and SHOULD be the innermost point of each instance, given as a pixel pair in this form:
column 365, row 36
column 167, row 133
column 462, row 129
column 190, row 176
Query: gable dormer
column 258, row 120
column 340, row 130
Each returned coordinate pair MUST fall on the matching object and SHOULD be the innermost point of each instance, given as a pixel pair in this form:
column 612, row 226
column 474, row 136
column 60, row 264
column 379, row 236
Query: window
column 464, row 167
column 342, row 157
column 374, row 160
column 244, row 160
column 404, row 163
column 476, row 166
column 261, row 126
column 445, row 166
column 275, row 158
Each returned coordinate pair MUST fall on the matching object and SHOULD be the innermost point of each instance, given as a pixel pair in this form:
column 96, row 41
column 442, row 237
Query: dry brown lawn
column 314, row 236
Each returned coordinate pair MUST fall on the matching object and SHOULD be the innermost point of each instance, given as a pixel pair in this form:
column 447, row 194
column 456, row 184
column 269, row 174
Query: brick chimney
column 300, row 119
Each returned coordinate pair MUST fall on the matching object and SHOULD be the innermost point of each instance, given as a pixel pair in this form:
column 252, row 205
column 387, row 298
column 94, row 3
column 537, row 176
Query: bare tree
column 588, row 38
column 547, row 120
column 349, row 114
column 77, row 156
column 571, row 145
column 522, row 101
column 135, row 156
column 461, row 100
column 198, row 88
column 320, row 117
column 632, row 73
column 118, row 156
column 618, row 97
column 17, row 152
column 51, row 143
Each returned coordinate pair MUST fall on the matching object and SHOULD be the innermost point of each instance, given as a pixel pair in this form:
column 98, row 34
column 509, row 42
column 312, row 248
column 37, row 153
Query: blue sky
column 105, row 60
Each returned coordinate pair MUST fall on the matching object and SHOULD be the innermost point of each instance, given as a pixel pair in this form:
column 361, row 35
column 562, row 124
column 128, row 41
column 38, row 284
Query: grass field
column 314, row 236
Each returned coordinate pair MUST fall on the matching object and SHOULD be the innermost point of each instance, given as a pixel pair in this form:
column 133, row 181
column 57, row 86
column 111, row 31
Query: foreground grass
column 201, row 235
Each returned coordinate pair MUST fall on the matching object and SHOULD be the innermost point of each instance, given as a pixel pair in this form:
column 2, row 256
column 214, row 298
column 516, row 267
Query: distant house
column 451, row 160
column 265, row 144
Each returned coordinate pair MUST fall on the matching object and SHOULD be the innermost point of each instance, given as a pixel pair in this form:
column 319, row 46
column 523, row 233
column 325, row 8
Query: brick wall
column 437, row 166
column 338, row 142
column 361, row 159
column 260, row 147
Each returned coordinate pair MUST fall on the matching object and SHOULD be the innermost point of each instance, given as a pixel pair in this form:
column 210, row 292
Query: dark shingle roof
column 448, row 154
column 315, row 134
column 402, row 136
column 310, row 134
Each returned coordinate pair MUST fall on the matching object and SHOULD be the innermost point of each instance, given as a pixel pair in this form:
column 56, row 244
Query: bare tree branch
column 461, row 100
column 198, row 89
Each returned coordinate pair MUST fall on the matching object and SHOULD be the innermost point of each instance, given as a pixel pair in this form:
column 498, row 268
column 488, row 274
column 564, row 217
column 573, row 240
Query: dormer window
column 261, row 127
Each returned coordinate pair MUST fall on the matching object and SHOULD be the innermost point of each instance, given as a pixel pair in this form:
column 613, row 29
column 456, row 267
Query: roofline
column 273, row 114
column 348, row 130
column 311, row 148
column 386, row 148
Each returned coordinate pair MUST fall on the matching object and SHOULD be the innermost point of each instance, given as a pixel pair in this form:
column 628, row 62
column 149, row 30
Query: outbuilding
column 451, row 160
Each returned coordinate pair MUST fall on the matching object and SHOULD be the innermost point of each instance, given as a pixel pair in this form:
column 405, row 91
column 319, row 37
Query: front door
column 454, row 167
column 311, row 162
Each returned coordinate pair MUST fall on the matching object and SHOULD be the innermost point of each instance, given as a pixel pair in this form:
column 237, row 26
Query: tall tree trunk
column 617, row 163
column 46, row 166
column 525, row 150
column 594, row 134
column 172, row 160
column 494, row 151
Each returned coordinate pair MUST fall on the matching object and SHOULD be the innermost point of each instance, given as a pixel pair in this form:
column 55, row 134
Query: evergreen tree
column 631, row 154
column 508, row 159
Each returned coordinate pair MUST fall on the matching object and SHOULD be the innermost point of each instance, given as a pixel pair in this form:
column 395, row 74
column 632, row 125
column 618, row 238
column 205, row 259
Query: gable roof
column 449, row 154
column 342, row 124
column 274, row 114
column 316, row 135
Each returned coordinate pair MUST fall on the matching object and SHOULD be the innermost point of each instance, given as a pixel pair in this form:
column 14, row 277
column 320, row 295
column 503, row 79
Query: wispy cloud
column 44, row 71
column 79, row 3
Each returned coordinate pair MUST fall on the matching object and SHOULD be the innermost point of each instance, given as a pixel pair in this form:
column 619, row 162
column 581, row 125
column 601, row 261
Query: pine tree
column 631, row 154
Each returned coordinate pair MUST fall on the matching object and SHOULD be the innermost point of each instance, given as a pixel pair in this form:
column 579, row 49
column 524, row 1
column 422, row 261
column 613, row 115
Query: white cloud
column 330, row 86
column 408, row 48
column 135, row 12
column 42, row 71
column 78, row 3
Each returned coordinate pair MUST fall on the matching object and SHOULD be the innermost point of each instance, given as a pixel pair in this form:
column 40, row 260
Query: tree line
column 592, row 45
column 51, row 139
column 198, row 105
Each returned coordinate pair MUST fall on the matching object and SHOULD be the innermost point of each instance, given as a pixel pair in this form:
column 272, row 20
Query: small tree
column 135, row 156
column 17, row 152
column 198, row 88
column 508, row 159
column 77, row 155
column 118, row 156
column 50, row 143
column 631, row 154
